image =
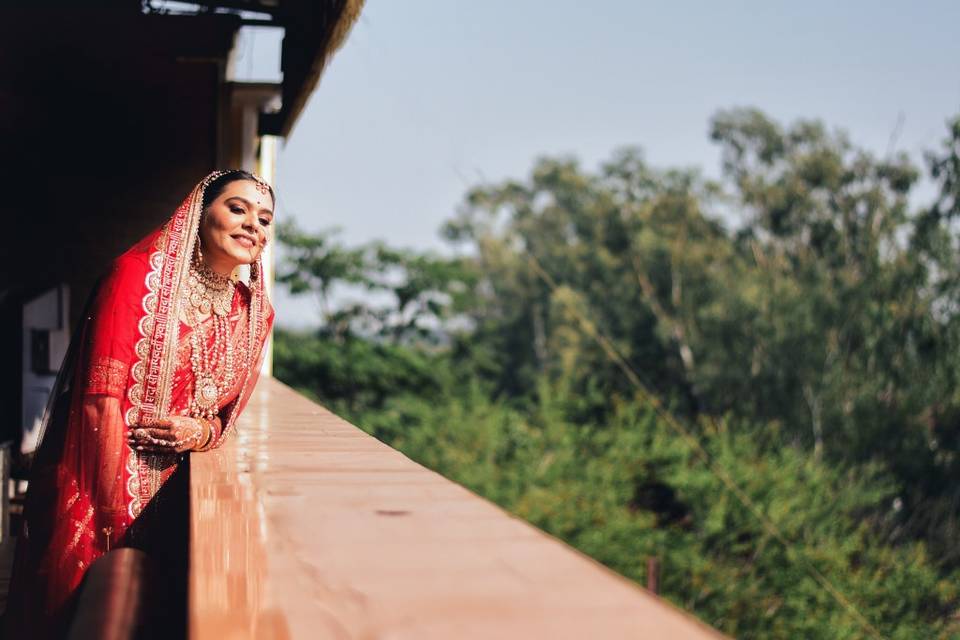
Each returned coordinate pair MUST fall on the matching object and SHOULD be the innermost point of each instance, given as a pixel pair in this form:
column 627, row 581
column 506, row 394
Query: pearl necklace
column 208, row 292
column 206, row 360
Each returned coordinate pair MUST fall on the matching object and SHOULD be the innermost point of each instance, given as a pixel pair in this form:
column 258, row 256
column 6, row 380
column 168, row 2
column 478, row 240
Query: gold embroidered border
column 156, row 351
column 138, row 372
column 142, row 348
column 107, row 376
column 150, row 468
column 134, row 504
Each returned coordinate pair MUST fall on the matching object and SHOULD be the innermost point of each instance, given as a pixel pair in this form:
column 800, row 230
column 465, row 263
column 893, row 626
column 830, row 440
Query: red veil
column 126, row 367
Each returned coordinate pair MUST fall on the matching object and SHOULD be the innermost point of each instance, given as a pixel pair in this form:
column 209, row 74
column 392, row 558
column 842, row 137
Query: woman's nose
column 251, row 224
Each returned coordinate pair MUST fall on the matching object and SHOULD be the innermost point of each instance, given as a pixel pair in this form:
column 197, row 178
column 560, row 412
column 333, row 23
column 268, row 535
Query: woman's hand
column 175, row 434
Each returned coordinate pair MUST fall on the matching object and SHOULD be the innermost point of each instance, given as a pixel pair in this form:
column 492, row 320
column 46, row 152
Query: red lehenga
column 129, row 364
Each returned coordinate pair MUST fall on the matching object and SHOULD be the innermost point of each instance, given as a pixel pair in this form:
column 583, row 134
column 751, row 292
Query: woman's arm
column 104, row 421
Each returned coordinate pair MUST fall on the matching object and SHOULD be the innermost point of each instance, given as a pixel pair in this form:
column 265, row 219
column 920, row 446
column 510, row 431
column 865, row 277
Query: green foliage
column 354, row 373
column 424, row 289
column 812, row 349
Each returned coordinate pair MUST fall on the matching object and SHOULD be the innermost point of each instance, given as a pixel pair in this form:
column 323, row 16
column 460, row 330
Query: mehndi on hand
column 175, row 434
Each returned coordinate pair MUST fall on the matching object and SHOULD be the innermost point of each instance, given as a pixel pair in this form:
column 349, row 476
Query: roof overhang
column 313, row 31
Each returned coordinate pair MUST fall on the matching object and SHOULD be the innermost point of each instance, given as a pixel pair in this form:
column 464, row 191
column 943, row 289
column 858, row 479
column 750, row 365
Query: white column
column 267, row 169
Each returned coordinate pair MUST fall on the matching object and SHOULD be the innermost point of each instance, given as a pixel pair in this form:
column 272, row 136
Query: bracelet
column 208, row 440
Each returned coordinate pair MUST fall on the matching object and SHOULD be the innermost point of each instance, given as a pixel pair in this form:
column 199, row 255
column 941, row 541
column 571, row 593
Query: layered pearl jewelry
column 205, row 361
column 209, row 293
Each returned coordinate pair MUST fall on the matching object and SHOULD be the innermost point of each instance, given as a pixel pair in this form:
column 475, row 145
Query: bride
column 162, row 364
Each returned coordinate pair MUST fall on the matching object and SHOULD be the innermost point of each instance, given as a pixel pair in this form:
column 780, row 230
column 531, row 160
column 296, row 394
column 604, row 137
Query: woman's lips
column 244, row 241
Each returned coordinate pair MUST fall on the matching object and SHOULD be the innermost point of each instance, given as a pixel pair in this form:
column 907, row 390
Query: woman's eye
column 236, row 209
column 265, row 222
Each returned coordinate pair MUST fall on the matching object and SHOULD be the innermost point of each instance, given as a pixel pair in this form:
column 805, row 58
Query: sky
column 430, row 97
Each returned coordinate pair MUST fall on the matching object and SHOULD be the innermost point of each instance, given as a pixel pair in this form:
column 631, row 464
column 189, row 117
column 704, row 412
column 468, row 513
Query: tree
column 798, row 317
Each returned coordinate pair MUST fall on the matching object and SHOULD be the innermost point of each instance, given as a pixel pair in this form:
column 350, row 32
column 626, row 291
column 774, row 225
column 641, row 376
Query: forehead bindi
column 248, row 193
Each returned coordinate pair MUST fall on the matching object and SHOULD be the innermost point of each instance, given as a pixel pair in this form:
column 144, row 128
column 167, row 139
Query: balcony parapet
column 304, row 526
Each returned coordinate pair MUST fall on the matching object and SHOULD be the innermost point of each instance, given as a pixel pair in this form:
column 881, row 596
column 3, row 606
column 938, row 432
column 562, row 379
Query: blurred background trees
column 799, row 316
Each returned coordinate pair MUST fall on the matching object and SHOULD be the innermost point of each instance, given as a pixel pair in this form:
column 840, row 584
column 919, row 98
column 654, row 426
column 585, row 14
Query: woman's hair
column 217, row 185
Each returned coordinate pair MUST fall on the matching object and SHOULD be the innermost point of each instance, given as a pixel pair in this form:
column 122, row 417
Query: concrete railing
column 304, row 526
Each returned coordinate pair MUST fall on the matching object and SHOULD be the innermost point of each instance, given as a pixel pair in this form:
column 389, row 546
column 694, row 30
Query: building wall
column 107, row 120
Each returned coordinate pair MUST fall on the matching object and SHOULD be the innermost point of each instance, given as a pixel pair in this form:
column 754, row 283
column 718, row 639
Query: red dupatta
column 87, row 486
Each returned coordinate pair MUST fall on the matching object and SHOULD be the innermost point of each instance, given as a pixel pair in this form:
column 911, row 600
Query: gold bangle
column 209, row 440
column 209, row 425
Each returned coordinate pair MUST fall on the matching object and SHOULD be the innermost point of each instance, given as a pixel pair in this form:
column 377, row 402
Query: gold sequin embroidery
column 107, row 376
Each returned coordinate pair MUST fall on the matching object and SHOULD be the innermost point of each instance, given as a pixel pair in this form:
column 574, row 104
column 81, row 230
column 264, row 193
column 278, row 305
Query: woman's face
column 233, row 230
